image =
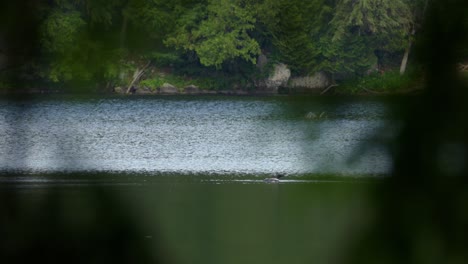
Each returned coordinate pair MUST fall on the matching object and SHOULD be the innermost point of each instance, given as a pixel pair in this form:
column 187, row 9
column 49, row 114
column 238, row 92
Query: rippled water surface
column 183, row 176
column 245, row 135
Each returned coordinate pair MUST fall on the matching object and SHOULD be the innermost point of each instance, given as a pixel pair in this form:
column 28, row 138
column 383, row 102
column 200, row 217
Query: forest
column 214, row 44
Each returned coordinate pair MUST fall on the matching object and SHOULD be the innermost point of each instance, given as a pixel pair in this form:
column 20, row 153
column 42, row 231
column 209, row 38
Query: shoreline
column 47, row 91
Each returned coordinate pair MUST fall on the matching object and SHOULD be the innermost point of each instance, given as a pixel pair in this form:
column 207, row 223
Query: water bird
column 275, row 179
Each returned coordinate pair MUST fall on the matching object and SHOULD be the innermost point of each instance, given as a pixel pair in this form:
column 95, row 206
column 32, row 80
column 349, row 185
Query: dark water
column 194, row 135
column 178, row 219
column 184, row 175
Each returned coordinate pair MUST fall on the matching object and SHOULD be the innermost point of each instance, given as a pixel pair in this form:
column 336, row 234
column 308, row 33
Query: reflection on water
column 192, row 134
column 184, row 218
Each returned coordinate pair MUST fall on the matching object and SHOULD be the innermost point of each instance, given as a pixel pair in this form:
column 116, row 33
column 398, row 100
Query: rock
column 191, row 89
column 119, row 90
column 151, row 90
column 143, row 91
column 167, row 88
column 316, row 82
column 279, row 77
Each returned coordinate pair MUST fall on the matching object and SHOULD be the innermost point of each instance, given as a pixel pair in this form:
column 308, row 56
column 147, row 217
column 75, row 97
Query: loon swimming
column 274, row 179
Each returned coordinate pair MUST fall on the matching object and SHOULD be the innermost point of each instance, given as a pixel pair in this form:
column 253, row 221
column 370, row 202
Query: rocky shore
column 169, row 89
column 278, row 81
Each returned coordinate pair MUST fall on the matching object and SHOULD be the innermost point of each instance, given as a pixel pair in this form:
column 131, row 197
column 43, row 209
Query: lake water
column 233, row 135
column 180, row 179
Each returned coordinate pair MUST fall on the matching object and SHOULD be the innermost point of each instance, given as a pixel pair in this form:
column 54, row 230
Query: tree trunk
column 136, row 76
column 404, row 61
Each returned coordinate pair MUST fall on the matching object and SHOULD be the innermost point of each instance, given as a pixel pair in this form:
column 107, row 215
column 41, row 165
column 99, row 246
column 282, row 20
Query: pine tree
column 293, row 33
column 379, row 25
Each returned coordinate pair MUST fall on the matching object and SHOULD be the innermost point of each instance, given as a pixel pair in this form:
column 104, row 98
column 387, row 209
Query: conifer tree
column 377, row 25
column 293, row 34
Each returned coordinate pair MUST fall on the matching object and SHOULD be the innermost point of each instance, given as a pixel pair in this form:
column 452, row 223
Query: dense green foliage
column 106, row 41
column 217, row 33
column 384, row 83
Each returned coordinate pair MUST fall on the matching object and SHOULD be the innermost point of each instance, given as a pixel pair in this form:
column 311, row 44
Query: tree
column 418, row 10
column 84, row 40
column 380, row 25
column 218, row 32
column 371, row 17
column 294, row 31
column 63, row 37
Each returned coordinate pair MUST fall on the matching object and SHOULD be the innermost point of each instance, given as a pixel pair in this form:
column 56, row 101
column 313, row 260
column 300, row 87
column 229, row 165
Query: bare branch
column 328, row 88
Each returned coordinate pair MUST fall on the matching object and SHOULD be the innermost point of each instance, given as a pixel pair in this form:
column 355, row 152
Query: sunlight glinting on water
column 214, row 135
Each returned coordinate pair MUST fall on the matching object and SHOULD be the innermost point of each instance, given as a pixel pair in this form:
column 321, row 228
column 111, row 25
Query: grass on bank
column 387, row 82
column 204, row 83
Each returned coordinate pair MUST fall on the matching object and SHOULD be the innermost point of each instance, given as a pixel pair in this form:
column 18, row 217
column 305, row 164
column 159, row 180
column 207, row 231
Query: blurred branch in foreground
column 421, row 214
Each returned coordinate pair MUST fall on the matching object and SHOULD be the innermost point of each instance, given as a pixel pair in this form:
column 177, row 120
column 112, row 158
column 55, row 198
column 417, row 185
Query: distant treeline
column 95, row 40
